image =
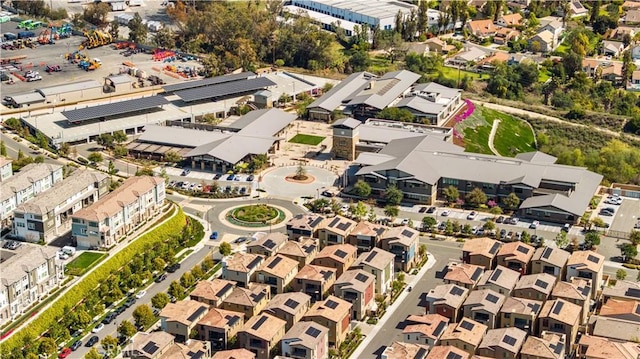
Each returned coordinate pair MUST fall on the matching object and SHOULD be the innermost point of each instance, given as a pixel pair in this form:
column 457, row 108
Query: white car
column 141, row 294
column 446, row 212
column 534, row 224
column 344, row 208
column 472, row 215
column 98, row 328
column 405, row 222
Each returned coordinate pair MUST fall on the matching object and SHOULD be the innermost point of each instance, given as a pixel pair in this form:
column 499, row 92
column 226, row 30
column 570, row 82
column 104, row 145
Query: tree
column 629, row 251
column 393, row 195
column 362, row 189
column 511, row 201
column 592, row 239
column 422, row 250
column 119, row 137
column 489, row 225
column 360, row 210
column 526, row 237
column 114, row 29
column 112, row 168
column 372, row 216
column 396, row 114
column 3, row 149
column 634, row 237
column 137, row 30
column 476, row 197
column 627, row 67
column 127, row 329
column 391, row 211
column 428, row 222
column 93, row 353
column 175, row 289
column 621, row 274
column 96, row 13
column 109, row 344
column 187, row 279
column 95, row 157
column 197, row 272
column 301, row 172
column 143, row 316
column 172, row 156
column 225, row 249
column 451, row 194
column 160, row 300
column 598, row 222
column 164, row 39
column 561, row 240
column 47, row 346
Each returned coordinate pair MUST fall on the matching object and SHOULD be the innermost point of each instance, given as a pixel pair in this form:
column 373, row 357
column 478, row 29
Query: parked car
column 109, row 318
column 422, row 209
column 243, row 190
column 77, row 344
column 131, row 301
column 121, row 309
column 217, row 176
column 604, row 212
column 92, row 341
column 534, row 224
column 442, row 226
column 446, row 213
column 432, row 210
column 161, row 277
column 566, row 227
column 405, row 221
column 173, row 268
column 503, row 234
column 241, row 240
column 500, row 219
column 214, row 235
column 64, row 353
column 514, row 220
column 250, row 178
column 141, row 294
column 472, row 215
column 97, row 328
column 185, row 172
column 230, row 178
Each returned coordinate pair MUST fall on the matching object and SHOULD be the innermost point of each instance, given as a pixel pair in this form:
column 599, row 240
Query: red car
column 64, row 353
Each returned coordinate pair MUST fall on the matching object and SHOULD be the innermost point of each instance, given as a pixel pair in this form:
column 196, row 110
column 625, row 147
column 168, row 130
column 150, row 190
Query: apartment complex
column 104, row 223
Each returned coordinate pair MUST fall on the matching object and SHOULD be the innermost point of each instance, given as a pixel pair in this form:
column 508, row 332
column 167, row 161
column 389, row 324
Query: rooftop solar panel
column 331, row 304
column 593, row 259
column 547, row 253
column 456, row 291
column 274, row 263
column 225, row 89
column 467, row 325
column 200, row 311
column 227, row 287
column 558, row 348
column 115, row 108
column 371, row 256
column 195, row 355
column 476, row 274
column 496, row 274
column 327, row 274
column 254, row 263
column 207, row 82
column 232, row 319
column 535, row 307
column 453, row 355
column 340, row 253
column 343, row 226
column 421, row 354
column 361, row 277
column 258, row 297
column 407, row 233
column 314, row 332
column 523, row 249
column 259, row 323
column 637, row 308
column 633, row 292
column 315, row 222
column 380, row 230
column 494, row 248
column 309, row 249
column 509, row 340
column 269, row 244
column 439, row 329
column 492, row 298
column 542, row 284
column 334, row 222
column 585, row 290
column 558, row 308
column 291, row 303
column 150, row 348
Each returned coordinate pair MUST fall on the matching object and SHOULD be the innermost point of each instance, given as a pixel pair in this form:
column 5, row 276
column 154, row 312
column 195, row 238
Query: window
column 83, row 231
column 507, row 315
column 31, row 226
column 20, row 224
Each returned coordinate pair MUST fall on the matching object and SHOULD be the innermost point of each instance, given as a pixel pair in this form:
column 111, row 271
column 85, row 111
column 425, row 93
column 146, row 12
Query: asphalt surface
column 153, row 289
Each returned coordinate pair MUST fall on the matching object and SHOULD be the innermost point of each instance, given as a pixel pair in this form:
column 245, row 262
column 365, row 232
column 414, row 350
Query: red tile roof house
column 578, row 292
column 424, row 329
column 290, row 307
column 262, row 334
column 446, row 300
column 550, row 260
column 218, row 326
column 366, row 236
column 306, row 340
column 212, row 292
column 463, row 274
column 560, row 316
column 520, row 313
column 549, row 346
column 356, row 287
column 339, row 256
column 304, row 250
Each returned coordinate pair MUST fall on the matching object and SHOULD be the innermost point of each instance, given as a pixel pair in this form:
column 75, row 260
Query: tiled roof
column 467, row 331
column 586, row 260
column 562, row 311
column 464, row 273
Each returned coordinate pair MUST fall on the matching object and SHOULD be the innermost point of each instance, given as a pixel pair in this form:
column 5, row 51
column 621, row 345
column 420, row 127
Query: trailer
column 26, row 34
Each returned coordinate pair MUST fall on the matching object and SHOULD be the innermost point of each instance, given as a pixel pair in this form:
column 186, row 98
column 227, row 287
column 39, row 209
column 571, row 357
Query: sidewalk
column 430, row 263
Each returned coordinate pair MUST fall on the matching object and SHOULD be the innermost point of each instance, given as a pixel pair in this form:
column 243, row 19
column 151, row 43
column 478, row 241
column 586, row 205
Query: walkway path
column 492, row 135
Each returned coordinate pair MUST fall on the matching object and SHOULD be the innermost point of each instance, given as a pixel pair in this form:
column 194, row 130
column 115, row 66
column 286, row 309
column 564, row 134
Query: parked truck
column 26, row 34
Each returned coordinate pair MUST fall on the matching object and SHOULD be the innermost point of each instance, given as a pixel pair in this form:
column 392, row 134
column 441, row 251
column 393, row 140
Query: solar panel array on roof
column 542, row 284
column 637, row 308
column 316, row 221
column 150, row 348
column 407, row 233
column 584, row 290
column 534, row 307
column 314, row 332
column 558, row 308
column 269, row 244
column 523, row 249
column 467, row 325
column 557, row 348
column 361, row 277
column 496, row 274
column 227, row 287
column 291, row 303
column 254, row 263
column 334, row 222
column 200, row 311
column 327, row 274
column 451, row 355
column 195, row 355
column 593, row 259
column 492, row 298
column 633, row 292
column 309, row 249
column 115, row 108
column 547, row 252
column 371, row 256
column 231, row 319
column 457, row 291
column 259, row 323
column 439, row 328
column 476, row 274
column 494, row 248
column 274, row 263
column 258, row 297
column 509, row 340
column 207, row 82
column 344, row 225
column 380, row 230
column 225, row 89
column 340, row 253
column 422, row 352
column 331, row 304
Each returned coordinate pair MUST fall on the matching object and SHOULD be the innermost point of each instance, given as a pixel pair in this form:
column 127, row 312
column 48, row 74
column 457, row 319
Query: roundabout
column 255, row 215
column 282, row 181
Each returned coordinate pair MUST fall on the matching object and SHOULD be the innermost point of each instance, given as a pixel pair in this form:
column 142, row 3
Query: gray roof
column 510, row 339
column 480, row 300
column 473, row 54
column 503, row 277
column 27, row 257
column 355, row 279
column 420, row 104
column 278, row 302
column 27, row 98
column 210, row 81
column 305, row 334
column 428, row 159
column 384, row 90
column 120, row 79
column 536, row 157
column 265, row 122
column 623, row 289
column 25, row 178
column 66, row 88
column 384, row 131
column 224, row 89
column 376, row 258
column 347, row 122
column 179, row 136
column 614, row 328
column 432, row 87
column 335, row 97
column 58, row 195
column 555, row 256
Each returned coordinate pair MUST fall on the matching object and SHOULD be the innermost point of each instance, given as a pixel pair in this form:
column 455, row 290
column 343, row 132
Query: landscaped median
column 171, row 228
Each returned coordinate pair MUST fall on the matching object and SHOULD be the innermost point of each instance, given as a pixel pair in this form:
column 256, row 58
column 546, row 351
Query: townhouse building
column 289, row 307
column 306, row 340
column 241, row 268
column 379, row 263
column 403, row 243
column 277, row 272
column 180, row 318
column 315, row 281
column 262, row 334
column 218, row 326
column 356, row 287
column 332, row 313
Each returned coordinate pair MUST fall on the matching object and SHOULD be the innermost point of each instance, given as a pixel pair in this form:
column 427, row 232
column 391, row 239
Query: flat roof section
column 208, row 82
column 225, row 89
column 27, row 98
column 112, row 109
column 66, row 88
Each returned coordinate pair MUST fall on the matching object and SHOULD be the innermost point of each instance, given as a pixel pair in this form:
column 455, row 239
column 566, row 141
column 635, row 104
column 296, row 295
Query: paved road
column 111, row 329
column 14, row 146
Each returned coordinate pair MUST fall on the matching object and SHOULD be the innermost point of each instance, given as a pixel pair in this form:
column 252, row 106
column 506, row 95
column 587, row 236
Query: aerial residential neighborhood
column 320, row 179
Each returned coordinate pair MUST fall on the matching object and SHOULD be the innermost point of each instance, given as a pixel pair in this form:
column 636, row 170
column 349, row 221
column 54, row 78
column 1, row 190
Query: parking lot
column 194, row 181
column 625, row 216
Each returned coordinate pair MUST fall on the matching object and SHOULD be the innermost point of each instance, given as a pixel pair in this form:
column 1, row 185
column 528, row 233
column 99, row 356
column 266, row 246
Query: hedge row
column 171, row 228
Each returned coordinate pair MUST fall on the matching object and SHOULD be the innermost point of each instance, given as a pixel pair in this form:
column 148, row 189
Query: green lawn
column 513, row 135
column 307, row 139
column 452, row 73
column 543, row 76
column 83, row 262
